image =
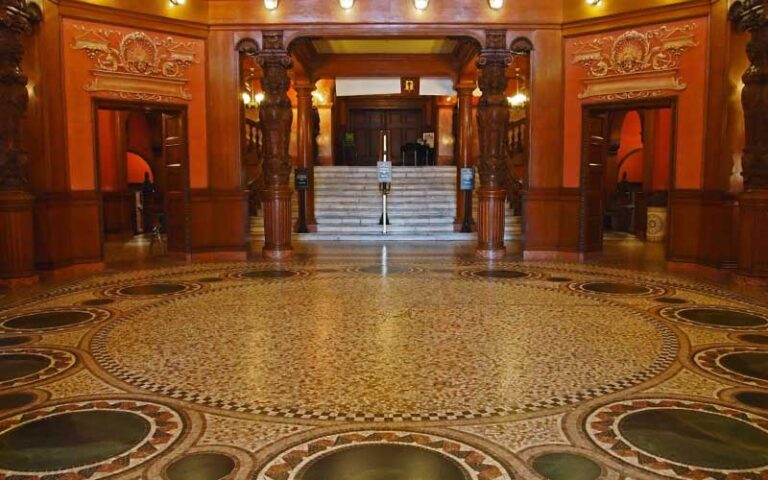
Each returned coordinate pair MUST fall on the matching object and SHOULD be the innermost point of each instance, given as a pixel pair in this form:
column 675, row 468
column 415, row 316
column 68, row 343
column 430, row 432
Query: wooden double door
column 403, row 125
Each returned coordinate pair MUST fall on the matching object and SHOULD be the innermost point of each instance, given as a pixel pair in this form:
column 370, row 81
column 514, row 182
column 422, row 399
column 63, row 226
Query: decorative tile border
column 290, row 464
column 710, row 361
column 673, row 313
column 651, row 289
column 602, row 427
column 166, row 427
column 118, row 290
column 59, row 362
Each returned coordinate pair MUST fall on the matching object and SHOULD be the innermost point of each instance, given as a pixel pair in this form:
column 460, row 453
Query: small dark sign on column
column 301, row 179
column 467, row 178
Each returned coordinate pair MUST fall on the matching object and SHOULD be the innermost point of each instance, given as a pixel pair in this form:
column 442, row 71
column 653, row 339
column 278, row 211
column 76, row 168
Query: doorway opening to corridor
column 627, row 173
column 143, row 179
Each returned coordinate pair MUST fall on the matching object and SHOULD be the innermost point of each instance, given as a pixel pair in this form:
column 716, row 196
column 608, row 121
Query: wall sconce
column 176, row 3
column 271, row 4
column 520, row 99
column 496, row 4
column 251, row 100
column 347, row 4
column 594, row 3
column 421, row 4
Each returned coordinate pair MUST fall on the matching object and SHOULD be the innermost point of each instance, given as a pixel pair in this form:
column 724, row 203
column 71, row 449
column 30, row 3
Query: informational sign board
column 301, row 179
column 467, row 178
column 385, row 171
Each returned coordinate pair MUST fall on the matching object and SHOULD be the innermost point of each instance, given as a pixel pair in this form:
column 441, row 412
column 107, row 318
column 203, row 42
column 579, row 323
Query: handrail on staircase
column 253, row 164
column 517, row 156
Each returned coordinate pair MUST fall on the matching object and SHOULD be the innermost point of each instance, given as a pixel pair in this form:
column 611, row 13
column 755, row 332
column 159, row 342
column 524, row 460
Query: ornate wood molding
column 275, row 111
column 136, row 66
column 634, row 64
column 493, row 110
column 750, row 16
column 16, row 18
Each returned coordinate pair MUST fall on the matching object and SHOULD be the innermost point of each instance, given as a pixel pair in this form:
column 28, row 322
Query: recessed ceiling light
column 270, row 4
column 178, row 2
column 594, row 3
column 421, row 4
column 496, row 4
column 347, row 4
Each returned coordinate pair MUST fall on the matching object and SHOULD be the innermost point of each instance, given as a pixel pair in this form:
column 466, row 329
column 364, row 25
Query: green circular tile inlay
column 751, row 364
column 20, row 365
column 755, row 338
column 696, row 438
column 11, row 401
column 616, row 288
column 671, row 300
column 44, row 320
column 201, row 466
column 71, row 440
column 269, row 274
column 97, row 302
column 384, row 462
column 722, row 317
column 566, row 466
column 13, row 341
column 753, row 399
column 153, row 289
column 500, row 274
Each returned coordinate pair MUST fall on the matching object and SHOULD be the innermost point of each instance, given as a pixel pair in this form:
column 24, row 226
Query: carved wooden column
column 17, row 252
column 306, row 145
column 276, row 116
column 750, row 16
column 493, row 122
column 464, row 149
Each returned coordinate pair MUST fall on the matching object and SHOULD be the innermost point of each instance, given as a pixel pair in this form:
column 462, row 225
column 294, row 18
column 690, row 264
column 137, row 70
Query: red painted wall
column 631, row 139
column 80, row 117
column 691, row 107
column 108, row 151
column 136, row 167
column 662, row 149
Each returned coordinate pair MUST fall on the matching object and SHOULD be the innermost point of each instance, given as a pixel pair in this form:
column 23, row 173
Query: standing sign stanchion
column 385, row 186
column 467, row 185
column 301, row 182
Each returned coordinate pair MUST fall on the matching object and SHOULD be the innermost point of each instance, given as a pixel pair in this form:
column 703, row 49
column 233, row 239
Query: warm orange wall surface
column 80, row 115
column 631, row 139
column 108, row 163
column 136, row 168
column 576, row 10
column 662, row 149
column 691, row 108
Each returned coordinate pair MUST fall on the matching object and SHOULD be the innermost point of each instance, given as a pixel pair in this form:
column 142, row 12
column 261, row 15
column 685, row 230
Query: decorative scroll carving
column 493, row 109
column 749, row 16
column 634, row 64
column 136, row 65
column 16, row 18
column 275, row 111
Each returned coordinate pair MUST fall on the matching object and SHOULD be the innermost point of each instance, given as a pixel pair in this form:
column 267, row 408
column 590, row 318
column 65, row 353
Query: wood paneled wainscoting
column 218, row 221
column 552, row 222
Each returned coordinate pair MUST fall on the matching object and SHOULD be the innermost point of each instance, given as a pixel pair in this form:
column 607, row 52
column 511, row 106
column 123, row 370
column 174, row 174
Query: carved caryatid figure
column 16, row 18
column 492, row 110
column 275, row 111
column 749, row 15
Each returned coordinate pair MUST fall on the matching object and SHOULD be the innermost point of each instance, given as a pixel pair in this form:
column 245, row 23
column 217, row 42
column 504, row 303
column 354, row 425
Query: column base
column 19, row 282
column 272, row 254
column 490, row 223
column 17, row 238
column 491, row 254
column 276, row 201
column 753, row 230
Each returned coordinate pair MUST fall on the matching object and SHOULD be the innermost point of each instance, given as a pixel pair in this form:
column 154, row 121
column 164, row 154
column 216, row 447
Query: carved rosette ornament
column 16, row 19
column 275, row 111
column 750, row 16
column 493, row 109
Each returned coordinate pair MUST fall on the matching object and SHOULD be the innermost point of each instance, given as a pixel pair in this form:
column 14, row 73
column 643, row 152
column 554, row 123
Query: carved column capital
column 16, row 18
column 749, row 16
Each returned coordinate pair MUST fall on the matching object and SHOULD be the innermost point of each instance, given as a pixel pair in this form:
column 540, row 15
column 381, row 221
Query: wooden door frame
column 143, row 107
column 588, row 110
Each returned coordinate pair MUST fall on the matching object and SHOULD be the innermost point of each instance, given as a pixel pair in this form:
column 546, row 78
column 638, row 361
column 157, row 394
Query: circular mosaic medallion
column 201, row 466
column 566, row 466
column 748, row 365
column 91, row 440
column 52, row 319
column 754, row 338
column 753, row 399
column 497, row 274
column 14, row 341
column 25, row 366
column 397, row 455
column 716, row 317
column 620, row 289
column 12, row 401
column 384, row 343
column 155, row 289
column 683, row 439
column 384, row 269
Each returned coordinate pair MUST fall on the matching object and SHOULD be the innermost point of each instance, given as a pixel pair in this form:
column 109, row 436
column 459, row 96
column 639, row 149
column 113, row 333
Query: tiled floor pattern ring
column 527, row 440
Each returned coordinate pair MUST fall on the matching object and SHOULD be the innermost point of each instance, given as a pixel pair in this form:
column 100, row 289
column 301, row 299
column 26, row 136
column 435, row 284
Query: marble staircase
column 422, row 206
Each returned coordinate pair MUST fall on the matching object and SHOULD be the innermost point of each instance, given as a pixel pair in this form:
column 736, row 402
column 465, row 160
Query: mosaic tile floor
column 428, row 368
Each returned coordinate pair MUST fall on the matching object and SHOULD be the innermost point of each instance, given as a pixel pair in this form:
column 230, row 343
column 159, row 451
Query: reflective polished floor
column 394, row 362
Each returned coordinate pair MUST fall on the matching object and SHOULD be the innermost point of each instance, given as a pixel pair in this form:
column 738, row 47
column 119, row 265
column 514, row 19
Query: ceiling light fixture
column 421, row 4
column 496, row 4
column 594, row 3
column 270, row 4
column 178, row 2
column 347, row 4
